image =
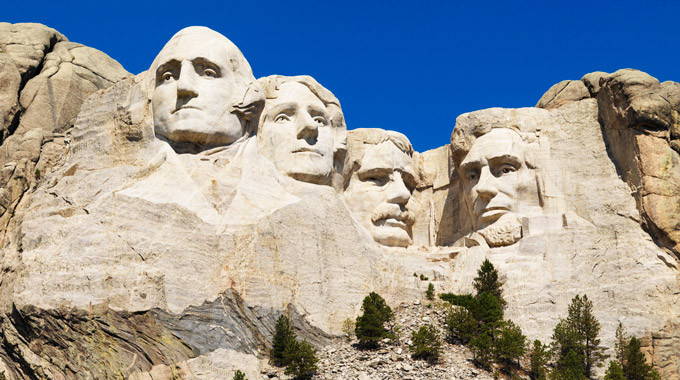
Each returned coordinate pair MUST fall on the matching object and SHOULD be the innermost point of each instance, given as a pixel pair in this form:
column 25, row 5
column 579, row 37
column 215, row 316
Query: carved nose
column 398, row 192
column 486, row 186
column 307, row 128
column 186, row 83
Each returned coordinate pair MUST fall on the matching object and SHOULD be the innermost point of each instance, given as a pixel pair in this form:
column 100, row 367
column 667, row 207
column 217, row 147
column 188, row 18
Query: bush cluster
column 477, row 320
column 299, row 358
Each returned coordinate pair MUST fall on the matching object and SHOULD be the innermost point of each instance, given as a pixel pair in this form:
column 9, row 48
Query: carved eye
column 282, row 117
column 167, row 76
column 507, row 168
column 377, row 180
column 210, row 73
column 471, row 175
column 320, row 120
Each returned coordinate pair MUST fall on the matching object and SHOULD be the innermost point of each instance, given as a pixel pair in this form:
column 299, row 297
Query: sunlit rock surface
column 128, row 253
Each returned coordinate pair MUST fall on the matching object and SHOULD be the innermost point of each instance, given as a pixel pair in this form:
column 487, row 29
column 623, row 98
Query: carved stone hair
column 357, row 139
column 272, row 84
column 468, row 130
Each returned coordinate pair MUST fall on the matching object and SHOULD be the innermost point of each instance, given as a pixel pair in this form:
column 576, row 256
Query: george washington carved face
column 199, row 75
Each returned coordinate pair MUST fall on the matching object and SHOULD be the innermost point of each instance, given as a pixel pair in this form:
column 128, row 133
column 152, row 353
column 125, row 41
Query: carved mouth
column 186, row 108
column 493, row 212
column 395, row 222
column 392, row 221
column 307, row 150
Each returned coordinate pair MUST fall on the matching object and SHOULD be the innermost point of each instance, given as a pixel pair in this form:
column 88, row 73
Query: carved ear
column 252, row 104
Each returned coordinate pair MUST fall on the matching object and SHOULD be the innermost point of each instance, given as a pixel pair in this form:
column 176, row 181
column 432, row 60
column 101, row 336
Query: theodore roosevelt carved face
column 380, row 185
column 301, row 128
column 199, row 76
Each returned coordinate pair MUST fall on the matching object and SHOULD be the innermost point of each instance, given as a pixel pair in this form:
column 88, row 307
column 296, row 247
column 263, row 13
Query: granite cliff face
column 147, row 235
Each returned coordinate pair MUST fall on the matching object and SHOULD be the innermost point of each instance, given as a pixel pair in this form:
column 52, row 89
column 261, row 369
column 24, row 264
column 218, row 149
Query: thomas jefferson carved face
column 196, row 82
column 492, row 174
column 379, row 191
column 298, row 135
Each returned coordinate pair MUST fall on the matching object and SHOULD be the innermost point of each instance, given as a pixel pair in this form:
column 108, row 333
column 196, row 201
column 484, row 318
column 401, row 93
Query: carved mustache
column 387, row 211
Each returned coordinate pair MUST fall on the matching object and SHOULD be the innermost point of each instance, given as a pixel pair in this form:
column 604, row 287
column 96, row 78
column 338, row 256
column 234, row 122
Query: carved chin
column 312, row 170
column 505, row 231
column 197, row 132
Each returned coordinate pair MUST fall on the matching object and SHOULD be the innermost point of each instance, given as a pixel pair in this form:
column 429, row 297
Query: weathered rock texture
column 124, row 257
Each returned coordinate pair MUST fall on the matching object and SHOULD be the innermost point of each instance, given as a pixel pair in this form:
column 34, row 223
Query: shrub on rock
column 370, row 326
column 426, row 344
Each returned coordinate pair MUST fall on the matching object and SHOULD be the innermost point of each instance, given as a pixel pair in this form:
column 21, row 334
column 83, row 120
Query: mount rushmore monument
column 169, row 218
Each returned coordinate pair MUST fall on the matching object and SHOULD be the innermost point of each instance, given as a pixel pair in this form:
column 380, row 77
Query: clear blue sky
column 407, row 66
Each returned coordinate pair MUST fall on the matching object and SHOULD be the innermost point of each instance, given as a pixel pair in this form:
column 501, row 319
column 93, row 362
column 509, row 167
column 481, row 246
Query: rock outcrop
column 139, row 242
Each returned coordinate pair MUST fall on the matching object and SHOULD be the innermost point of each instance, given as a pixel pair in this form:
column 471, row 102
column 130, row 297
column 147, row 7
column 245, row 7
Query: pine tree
column 369, row 327
column 575, row 339
column 239, row 375
column 488, row 310
column 482, row 346
column 636, row 365
column 460, row 324
column 487, row 281
column 539, row 358
column 620, row 345
column 301, row 359
column 426, row 344
column 509, row 346
column 614, row 371
column 582, row 318
column 283, row 337
column 429, row 294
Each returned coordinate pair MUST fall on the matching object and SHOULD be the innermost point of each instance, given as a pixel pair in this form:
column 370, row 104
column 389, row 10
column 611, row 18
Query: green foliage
column 636, row 367
column 620, row 345
column 426, row 344
column 423, row 277
column 572, row 368
column 576, row 337
column 348, row 328
column 2, row 374
column 488, row 310
column 283, row 337
column 509, row 346
column 301, row 358
column 465, row 300
column 482, row 349
column 239, row 375
column 614, row 371
column 460, row 324
column 487, row 281
column 429, row 294
column 369, row 327
column 538, row 361
column 36, row 174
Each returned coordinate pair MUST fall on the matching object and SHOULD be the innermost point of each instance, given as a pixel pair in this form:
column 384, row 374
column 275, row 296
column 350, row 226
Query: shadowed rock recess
column 155, row 226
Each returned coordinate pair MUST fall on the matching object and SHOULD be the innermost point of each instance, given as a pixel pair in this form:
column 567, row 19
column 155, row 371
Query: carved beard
column 505, row 231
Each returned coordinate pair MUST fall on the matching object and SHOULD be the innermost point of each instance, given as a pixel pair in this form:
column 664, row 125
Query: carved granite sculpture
column 302, row 129
column 200, row 80
column 189, row 206
column 380, row 181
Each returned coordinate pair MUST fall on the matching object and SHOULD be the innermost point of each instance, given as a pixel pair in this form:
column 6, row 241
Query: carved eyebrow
column 207, row 63
column 282, row 107
column 367, row 172
column 171, row 64
column 467, row 165
column 506, row 159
